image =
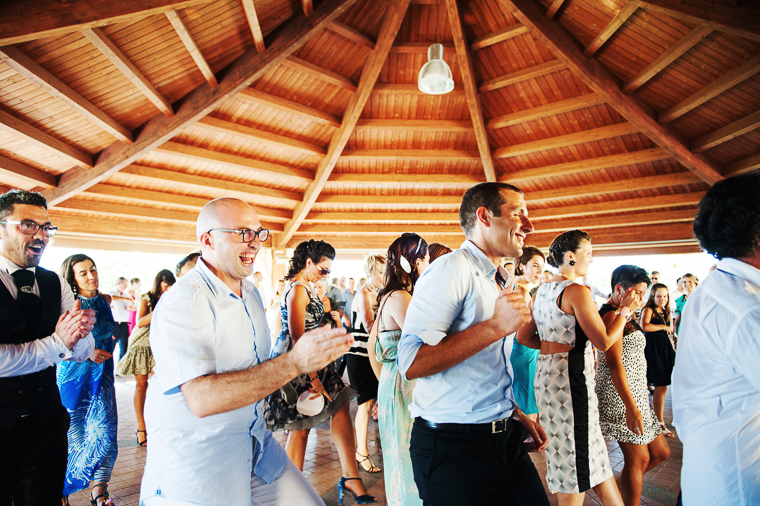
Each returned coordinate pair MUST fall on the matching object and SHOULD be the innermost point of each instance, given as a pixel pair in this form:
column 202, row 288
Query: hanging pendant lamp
column 435, row 76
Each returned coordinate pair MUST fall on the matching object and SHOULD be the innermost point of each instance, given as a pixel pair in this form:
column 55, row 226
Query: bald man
column 208, row 439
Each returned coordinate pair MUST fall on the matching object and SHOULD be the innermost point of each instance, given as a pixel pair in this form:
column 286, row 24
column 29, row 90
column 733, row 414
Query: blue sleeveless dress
column 87, row 392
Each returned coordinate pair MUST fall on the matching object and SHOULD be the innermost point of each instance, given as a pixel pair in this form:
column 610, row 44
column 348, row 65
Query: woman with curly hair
column 407, row 258
column 87, row 390
column 312, row 398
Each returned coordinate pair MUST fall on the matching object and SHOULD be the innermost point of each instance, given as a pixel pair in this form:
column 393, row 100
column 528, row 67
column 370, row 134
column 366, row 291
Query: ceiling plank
column 560, row 141
column 391, row 200
column 25, row 21
column 192, row 47
column 33, row 176
column 243, row 71
column 741, row 166
column 667, row 57
column 498, row 36
column 259, row 97
column 381, row 217
column 253, row 24
column 101, row 41
column 298, row 176
column 726, row 133
column 323, row 74
column 34, row 72
column 365, row 244
column 519, row 76
column 414, row 125
column 623, row 185
column 123, row 228
column 553, row 8
column 543, row 111
column 410, row 155
column 394, row 16
column 413, row 47
column 40, row 139
column 617, row 206
column 560, row 42
column 351, row 34
column 470, row 87
column 427, row 179
column 409, row 89
column 712, row 90
column 608, row 31
column 278, row 141
column 317, row 229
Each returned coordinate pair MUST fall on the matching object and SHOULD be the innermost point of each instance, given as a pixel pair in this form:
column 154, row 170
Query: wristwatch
column 625, row 312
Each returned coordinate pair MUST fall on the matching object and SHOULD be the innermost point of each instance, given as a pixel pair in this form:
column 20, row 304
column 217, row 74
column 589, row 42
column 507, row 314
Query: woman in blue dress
column 87, row 391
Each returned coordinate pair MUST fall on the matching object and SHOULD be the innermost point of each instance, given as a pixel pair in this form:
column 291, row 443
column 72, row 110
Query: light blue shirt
column 716, row 388
column 201, row 327
column 456, row 292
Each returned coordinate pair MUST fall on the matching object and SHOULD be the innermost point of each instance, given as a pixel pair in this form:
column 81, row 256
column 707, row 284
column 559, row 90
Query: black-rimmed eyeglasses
column 246, row 235
column 29, row 227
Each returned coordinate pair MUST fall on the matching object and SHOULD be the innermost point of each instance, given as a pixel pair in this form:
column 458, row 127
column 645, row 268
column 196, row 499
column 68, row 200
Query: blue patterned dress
column 87, row 391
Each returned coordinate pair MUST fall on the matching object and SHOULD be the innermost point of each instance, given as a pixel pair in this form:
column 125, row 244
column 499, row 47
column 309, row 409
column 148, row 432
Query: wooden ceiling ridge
column 238, row 75
column 559, row 41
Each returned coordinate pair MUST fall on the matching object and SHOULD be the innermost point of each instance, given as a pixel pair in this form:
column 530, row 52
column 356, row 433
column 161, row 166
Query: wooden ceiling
column 613, row 116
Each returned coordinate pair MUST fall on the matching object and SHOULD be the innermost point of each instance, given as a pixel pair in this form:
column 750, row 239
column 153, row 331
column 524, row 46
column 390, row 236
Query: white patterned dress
column 576, row 456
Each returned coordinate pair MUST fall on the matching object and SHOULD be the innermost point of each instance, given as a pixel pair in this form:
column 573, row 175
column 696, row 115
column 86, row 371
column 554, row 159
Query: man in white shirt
column 120, row 300
column 716, row 379
column 208, row 439
column 40, row 326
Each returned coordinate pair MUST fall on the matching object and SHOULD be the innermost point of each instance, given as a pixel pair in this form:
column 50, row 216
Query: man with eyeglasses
column 40, row 326
column 210, row 340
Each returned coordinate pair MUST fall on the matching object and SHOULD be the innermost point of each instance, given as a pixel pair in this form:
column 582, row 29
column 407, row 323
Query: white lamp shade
column 435, row 76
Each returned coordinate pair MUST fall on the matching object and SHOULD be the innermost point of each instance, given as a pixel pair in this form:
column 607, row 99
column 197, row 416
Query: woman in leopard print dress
column 621, row 387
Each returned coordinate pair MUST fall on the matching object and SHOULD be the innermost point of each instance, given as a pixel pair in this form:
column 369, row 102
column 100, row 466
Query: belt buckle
column 495, row 427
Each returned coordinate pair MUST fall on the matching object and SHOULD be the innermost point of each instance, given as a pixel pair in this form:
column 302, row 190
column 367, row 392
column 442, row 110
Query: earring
column 572, row 262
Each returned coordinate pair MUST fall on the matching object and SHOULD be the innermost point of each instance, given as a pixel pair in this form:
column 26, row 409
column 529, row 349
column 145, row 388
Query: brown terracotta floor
column 322, row 466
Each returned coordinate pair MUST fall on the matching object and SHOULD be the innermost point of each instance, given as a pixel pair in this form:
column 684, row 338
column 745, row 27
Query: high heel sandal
column 665, row 431
column 362, row 499
column 365, row 458
column 104, row 495
column 144, row 441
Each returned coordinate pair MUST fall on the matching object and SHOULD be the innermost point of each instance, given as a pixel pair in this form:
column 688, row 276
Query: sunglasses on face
column 322, row 270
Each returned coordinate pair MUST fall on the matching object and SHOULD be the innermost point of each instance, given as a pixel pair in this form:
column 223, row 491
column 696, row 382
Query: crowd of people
column 468, row 358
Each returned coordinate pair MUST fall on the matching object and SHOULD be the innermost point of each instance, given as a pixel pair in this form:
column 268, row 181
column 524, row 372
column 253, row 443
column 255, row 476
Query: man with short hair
column 335, row 294
column 348, row 297
column 655, row 277
column 467, row 440
column 716, row 379
column 120, row 300
column 342, row 283
column 40, row 326
column 186, row 264
column 208, row 438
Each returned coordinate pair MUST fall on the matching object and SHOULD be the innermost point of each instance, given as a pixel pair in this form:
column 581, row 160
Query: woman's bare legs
column 343, row 437
column 141, row 389
column 638, row 460
column 570, row 499
column 659, row 402
column 362, row 428
column 609, row 493
column 296, row 446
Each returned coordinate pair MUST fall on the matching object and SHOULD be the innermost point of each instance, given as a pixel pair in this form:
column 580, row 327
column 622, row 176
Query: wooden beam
column 277, row 141
column 587, row 165
column 650, row 233
column 519, row 76
column 412, row 47
column 667, row 57
column 259, row 97
column 325, row 75
column 470, row 87
column 394, row 16
column 41, row 140
column 32, row 176
column 414, row 125
column 379, row 244
column 308, row 8
column 712, row 90
column 560, row 141
column 391, row 200
column 123, row 228
column 409, row 89
column 419, row 155
column 562, row 43
column 351, row 34
column 34, row 72
column 84, row 242
column 253, row 24
column 741, row 166
column 606, row 222
column 634, row 184
column 498, row 36
column 381, row 217
column 318, row 230
column 543, row 111
column 726, row 133
column 648, row 249
column 742, row 21
column 101, row 41
column 297, row 176
column 413, row 179
column 25, row 21
column 617, row 206
column 192, row 47
column 553, row 8
column 609, row 30
column 243, row 71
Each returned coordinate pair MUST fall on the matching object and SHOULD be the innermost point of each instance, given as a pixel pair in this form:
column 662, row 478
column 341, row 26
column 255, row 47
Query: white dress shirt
column 716, row 388
column 119, row 307
column 28, row 358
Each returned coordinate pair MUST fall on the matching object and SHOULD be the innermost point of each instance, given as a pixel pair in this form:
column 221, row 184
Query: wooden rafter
column 409, row 89
column 726, row 133
column 415, row 125
column 246, row 69
column 519, row 76
column 120, row 60
column 560, row 42
column 448, row 155
column 553, row 8
column 325, row 75
column 32, row 176
column 259, row 97
column 34, row 72
column 470, row 87
column 667, row 57
column 412, row 47
column 253, row 24
column 351, row 34
column 395, row 12
column 41, row 140
column 609, row 30
column 308, row 7
column 381, row 217
column 403, row 179
column 498, row 36
column 192, row 47
column 741, row 166
column 184, row 233
column 543, row 111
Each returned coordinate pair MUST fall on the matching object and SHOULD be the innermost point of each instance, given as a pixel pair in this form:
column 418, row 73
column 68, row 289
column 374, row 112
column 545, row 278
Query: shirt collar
column 10, row 267
column 740, row 269
column 218, row 287
column 482, row 263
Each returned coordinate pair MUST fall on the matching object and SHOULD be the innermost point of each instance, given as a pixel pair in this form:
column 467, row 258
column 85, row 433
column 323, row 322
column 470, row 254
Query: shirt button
column 61, row 355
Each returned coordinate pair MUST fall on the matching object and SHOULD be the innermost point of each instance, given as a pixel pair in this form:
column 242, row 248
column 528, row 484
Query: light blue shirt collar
column 218, row 288
column 740, row 269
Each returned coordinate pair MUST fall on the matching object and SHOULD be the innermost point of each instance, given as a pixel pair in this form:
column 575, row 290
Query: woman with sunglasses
column 312, row 398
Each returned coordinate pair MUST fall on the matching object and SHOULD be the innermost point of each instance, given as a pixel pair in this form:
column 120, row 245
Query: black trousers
column 457, row 468
column 121, row 333
column 33, row 462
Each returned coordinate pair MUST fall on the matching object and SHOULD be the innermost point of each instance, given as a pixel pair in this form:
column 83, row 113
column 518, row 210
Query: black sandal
column 104, row 495
column 372, row 467
column 145, row 441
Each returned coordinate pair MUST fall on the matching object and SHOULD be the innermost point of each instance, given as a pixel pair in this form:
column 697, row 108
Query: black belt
column 472, row 428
